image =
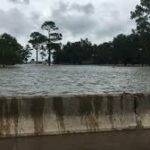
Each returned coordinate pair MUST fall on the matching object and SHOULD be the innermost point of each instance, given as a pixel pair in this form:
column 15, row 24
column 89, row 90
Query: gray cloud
column 112, row 22
column 99, row 20
column 20, row 1
column 87, row 8
column 16, row 23
column 81, row 21
column 74, row 18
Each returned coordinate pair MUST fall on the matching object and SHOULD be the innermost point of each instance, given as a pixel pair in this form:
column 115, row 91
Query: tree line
column 11, row 52
column 123, row 49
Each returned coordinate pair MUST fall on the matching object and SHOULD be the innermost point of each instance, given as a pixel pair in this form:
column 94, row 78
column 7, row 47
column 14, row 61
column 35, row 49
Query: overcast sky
column 99, row 20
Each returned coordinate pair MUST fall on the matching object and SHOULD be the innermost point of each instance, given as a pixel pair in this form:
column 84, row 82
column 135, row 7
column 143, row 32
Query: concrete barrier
column 50, row 115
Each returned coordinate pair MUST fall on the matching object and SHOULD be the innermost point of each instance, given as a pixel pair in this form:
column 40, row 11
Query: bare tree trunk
column 37, row 56
column 49, row 57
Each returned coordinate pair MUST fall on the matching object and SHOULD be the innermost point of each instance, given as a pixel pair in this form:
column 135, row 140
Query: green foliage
column 11, row 52
column 26, row 53
column 36, row 40
column 142, row 18
column 49, row 26
column 47, row 43
column 124, row 49
column 53, row 37
column 103, row 53
column 75, row 53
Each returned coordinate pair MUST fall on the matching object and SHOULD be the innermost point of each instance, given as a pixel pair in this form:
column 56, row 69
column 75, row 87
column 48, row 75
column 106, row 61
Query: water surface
column 45, row 80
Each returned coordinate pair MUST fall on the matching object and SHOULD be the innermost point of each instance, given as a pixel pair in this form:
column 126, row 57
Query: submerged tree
column 103, row 53
column 26, row 53
column 43, row 52
column 11, row 52
column 142, row 17
column 80, row 52
column 36, row 40
column 53, row 37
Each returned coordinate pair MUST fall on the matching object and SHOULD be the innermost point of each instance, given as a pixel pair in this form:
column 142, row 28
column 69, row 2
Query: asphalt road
column 117, row 140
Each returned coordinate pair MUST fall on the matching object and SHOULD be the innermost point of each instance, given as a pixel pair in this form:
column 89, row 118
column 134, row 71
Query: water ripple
column 40, row 79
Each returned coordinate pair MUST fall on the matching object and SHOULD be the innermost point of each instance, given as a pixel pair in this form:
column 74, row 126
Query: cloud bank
column 99, row 20
column 20, row 1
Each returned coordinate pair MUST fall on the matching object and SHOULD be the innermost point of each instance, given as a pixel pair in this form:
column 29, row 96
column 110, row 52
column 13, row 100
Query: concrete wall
column 21, row 116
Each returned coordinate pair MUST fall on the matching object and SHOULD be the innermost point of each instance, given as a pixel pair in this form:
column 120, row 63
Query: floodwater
column 114, row 140
column 44, row 80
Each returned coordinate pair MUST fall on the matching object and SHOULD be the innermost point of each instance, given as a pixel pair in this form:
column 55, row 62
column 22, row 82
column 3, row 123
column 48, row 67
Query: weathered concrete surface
column 49, row 115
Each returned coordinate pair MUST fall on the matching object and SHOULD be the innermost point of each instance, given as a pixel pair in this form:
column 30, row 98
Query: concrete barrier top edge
column 115, row 94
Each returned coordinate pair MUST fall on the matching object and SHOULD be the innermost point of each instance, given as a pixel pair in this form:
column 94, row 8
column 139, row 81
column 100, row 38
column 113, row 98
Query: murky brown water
column 117, row 140
column 44, row 80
